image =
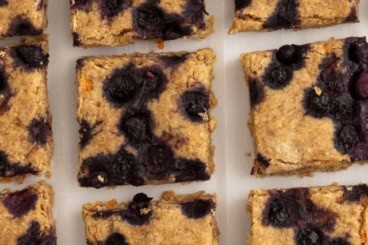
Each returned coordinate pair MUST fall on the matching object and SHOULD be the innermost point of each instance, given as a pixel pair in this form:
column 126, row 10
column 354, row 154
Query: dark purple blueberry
column 190, row 170
column 197, row 209
column 38, row 131
column 353, row 16
column 277, row 76
column 174, row 28
column 241, row 4
column 194, row 11
column 31, row 56
column 358, row 51
column 3, row 80
column 256, row 92
column 149, row 21
column 133, row 214
column 195, row 103
column 283, row 212
column 112, row 8
column 21, row 202
column 310, row 235
column 76, row 39
column 157, row 159
column 355, row 193
column 8, row 169
column 286, row 15
column 316, row 105
column 263, row 160
column 154, row 81
column 361, row 86
column 80, row 4
column 137, row 128
column 172, row 60
column 346, row 139
column 22, row 26
column 122, row 86
column 288, row 55
column 35, row 236
column 116, row 239
column 3, row 3
column 341, row 107
column 122, row 167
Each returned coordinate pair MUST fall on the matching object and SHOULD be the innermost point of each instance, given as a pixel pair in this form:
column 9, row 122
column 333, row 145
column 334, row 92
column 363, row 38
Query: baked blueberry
column 241, row 4
column 157, row 159
column 149, row 21
column 154, row 81
column 116, row 239
column 310, row 235
column 361, row 86
column 190, row 170
column 137, row 128
column 38, row 131
column 22, row 26
column 34, row 236
column 355, row 193
column 285, row 15
column 358, row 51
column 122, row 167
column 197, row 209
column 194, row 11
column 346, row 139
column 112, row 8
column 288, row 55
column 256, row 92
column 3, row 3
column 122, row 86
column 316, row 105
column 277, row 76
column 21, row 202
column 3, row 80
column 31, row 56
column 195, row 103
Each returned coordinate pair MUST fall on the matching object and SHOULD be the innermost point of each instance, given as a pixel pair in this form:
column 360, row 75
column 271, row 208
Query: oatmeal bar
column 145, row 118
column 26, row 216
column 25, row 134
column 267, row 15
column 22, row 17
column 309, row 107
column 120, row 22
column 332, row 215
column 175, row 219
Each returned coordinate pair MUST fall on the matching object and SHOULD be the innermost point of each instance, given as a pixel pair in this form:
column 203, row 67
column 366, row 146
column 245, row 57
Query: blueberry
column 194, row 103
column 21, row 202
column 285, row 15
column 22, row 26
column 241, row 4
column 157, row 159
column 32, row 56
column 347, row 138
column 277, row 76
column 35, row 236
column 358, row 51
column 149, row 21
column 122, row 167
column 355, row 193
column 153, row 81
column 38, row 131
column 315, row 105
column 8, row 169
column 282, row 211
column 256, row 92
column 172, row 60
column 361, row 86
column 116, row 239
column 3, row 81
column 3, row 3
column 310, row 235
column 123, row 86
column 288, row 55
column 278, row 213
column 137, row 128
column 341, row 108
column 133, row 214
column 263, row 160
column 112, row 8
column 174, row 29
column 197, row 209
column 190, row 170
column 194, row 11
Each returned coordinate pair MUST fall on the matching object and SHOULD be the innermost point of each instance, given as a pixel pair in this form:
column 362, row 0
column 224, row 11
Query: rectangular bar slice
column 309, row 108
column 145, row 118
column 26, row 144
column 175, row 219
column 22, row 17
column 318, row 215
column 26, row 216
column 120, row 22
column 268, row 15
